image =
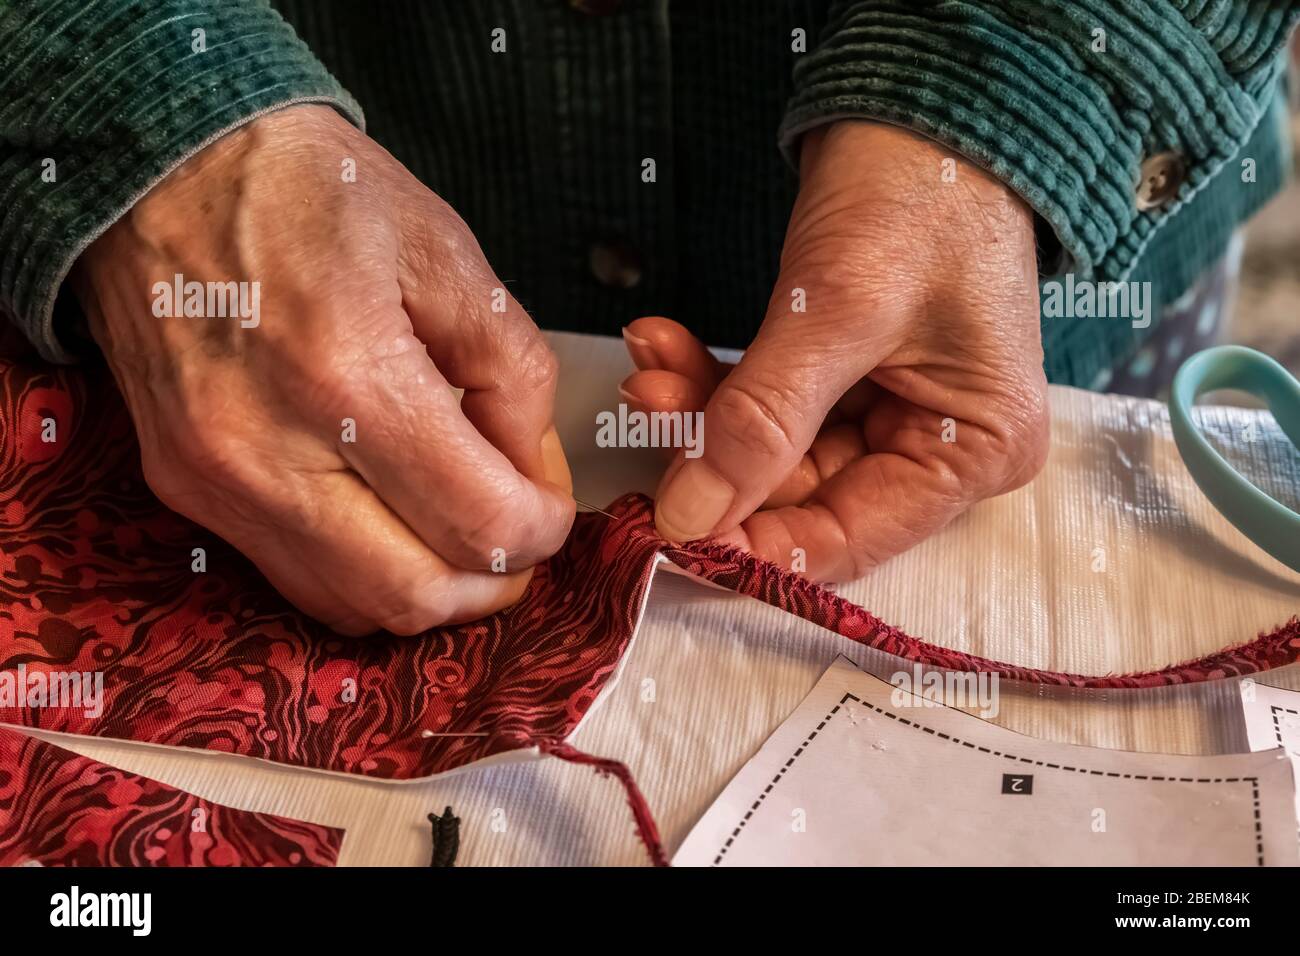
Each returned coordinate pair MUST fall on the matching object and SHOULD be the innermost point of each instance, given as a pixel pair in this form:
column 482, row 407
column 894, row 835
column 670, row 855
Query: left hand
column 910, row 387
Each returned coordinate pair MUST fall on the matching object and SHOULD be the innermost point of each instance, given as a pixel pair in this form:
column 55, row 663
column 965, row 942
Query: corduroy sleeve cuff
column 1063, row 100
column 101, row 100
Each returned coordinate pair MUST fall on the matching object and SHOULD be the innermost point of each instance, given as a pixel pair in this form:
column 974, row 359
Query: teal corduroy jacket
column 533, row 118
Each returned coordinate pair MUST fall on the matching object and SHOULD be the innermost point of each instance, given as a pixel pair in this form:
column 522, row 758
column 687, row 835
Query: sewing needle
column 592, row 507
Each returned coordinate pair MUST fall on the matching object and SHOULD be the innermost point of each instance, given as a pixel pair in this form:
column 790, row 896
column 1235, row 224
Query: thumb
column 759, row 422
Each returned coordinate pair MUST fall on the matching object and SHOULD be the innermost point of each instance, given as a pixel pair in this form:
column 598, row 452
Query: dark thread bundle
column 446, row 838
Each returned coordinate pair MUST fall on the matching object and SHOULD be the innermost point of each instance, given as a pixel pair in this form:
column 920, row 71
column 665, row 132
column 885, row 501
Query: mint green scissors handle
column 1267, row 522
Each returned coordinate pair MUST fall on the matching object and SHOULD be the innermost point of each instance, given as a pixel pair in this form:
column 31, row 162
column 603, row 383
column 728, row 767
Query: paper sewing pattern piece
column 61, row 809
column 866, row 773
column 1272, row 717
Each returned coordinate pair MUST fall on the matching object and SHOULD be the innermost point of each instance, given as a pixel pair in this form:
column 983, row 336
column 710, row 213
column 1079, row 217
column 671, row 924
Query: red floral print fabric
column 61, row 809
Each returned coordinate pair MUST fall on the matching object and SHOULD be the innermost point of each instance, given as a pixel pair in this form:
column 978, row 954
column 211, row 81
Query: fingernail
column 694, row 502
column 554, row 464
column 642, row 351
column 629, row 397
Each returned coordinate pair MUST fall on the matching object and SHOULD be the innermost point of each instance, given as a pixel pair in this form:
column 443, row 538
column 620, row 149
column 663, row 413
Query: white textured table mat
column 1012, row 580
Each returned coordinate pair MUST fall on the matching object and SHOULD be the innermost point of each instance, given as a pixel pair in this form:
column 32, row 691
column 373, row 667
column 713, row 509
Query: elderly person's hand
column 323, row 436
column 910, row 387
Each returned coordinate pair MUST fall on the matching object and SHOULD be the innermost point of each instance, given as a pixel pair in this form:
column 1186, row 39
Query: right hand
column 375, row 303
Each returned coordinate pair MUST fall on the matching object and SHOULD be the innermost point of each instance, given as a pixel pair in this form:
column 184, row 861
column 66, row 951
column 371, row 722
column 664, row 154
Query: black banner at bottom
column 433, row 907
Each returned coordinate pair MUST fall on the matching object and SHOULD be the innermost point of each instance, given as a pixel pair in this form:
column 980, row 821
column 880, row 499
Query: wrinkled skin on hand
column 375, row 304
column 921, row 324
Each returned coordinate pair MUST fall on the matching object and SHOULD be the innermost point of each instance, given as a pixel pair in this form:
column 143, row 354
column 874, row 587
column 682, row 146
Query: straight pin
column 480, row 733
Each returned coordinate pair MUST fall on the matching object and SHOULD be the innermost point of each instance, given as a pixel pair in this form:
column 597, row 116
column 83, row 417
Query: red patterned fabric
column 95, row 575
column 742, row 572
column 61, row 809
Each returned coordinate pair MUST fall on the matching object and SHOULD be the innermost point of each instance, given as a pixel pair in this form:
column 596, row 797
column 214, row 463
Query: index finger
column 407, row 437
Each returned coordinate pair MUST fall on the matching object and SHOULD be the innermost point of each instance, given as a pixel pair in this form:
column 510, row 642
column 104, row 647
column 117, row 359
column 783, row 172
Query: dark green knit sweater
column 540, row 146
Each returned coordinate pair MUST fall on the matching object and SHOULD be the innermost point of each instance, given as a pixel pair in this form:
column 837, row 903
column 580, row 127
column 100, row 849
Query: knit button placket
column 616, row 264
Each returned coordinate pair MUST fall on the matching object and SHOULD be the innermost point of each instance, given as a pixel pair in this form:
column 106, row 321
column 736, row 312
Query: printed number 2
column 1017, row 783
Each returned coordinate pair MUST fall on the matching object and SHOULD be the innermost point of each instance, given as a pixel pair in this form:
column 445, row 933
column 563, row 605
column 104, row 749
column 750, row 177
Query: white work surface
column 1012, row 580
